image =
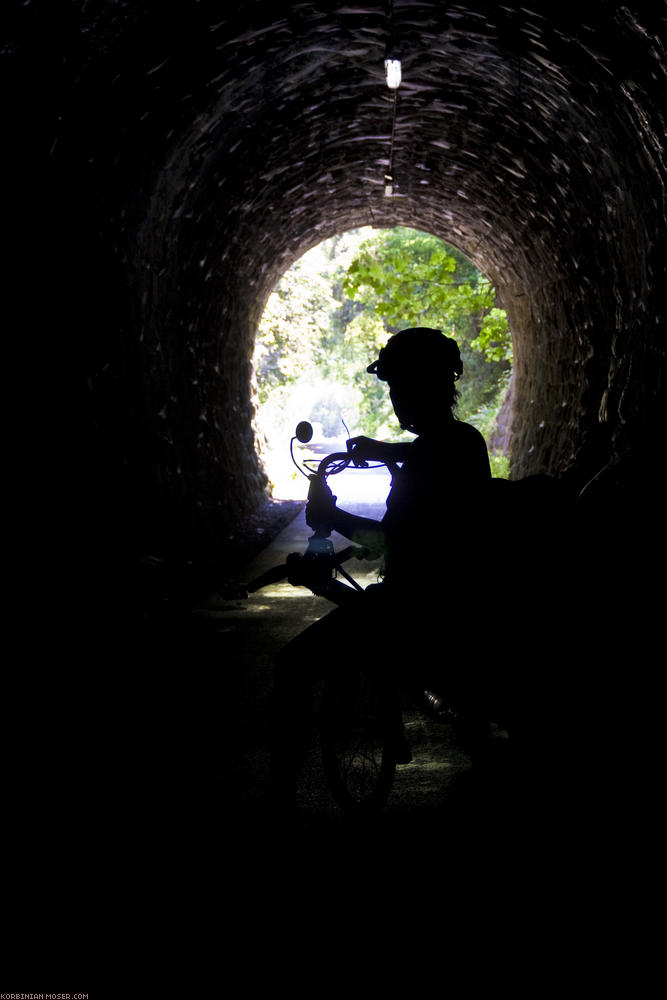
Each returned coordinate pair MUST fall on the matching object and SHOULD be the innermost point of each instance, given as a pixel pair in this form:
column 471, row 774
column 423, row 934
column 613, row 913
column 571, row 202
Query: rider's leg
column 366, row 632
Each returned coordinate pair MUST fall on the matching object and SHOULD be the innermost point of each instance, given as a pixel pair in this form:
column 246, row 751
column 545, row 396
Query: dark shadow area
column 165, row 164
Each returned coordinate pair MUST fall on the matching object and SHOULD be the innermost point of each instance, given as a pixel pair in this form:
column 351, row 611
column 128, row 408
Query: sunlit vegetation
column 337, row 306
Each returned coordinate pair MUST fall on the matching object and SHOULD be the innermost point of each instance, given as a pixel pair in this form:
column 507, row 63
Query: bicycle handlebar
column 315, row 568
column 341, row 458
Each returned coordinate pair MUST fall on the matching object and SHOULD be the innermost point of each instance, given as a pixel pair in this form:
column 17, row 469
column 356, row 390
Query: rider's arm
column 360, row 530
column 366, row 449
column 322, row 513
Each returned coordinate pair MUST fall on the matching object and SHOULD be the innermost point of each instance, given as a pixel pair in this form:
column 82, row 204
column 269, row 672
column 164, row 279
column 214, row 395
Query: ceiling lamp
column 392, row 68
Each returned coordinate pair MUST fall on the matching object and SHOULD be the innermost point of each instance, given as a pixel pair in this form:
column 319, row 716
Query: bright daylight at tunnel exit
column 328, row 317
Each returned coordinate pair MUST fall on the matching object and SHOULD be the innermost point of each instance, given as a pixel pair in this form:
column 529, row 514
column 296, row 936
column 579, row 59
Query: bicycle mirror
column 304, row 432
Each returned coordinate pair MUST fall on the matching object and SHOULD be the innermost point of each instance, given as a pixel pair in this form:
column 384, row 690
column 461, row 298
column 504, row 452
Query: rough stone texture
column 190, row 152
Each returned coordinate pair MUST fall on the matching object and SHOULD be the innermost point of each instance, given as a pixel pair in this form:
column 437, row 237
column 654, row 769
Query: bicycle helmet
column 418, row 349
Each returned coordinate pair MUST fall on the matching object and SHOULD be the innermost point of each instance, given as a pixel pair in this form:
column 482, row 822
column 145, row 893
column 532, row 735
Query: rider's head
column 421, row 367
column 416, row 352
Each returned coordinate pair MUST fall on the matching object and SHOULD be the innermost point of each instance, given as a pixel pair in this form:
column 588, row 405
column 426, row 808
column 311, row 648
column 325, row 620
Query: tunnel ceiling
column 194, row 150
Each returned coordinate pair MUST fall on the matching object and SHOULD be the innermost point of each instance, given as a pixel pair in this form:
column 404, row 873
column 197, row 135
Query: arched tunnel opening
column 334, row 310
column 187, row 161
column 171, row 162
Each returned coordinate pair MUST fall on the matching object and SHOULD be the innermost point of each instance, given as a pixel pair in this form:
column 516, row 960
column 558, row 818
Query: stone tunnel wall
column 192, row 154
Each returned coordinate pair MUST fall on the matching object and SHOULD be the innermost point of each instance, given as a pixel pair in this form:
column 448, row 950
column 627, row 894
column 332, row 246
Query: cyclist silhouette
column 426, row 539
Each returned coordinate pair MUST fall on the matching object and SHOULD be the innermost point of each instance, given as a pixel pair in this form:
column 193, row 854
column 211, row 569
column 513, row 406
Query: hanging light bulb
column 392, row 68
column 388, row 186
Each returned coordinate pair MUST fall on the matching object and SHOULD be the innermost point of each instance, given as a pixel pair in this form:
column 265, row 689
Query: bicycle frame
column 357, row 744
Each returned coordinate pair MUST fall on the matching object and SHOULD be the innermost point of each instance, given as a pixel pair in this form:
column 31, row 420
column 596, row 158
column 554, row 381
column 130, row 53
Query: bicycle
column 548, row 732
column 360, row 745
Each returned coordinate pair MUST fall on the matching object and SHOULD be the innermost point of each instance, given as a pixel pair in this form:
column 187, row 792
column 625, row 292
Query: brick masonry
column 192, row 153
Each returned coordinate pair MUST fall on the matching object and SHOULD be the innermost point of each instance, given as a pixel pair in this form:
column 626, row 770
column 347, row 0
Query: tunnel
column 175, row 162
column 165, row 165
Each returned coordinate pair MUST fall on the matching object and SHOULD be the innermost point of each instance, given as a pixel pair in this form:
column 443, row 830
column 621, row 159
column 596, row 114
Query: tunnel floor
column 177, row 809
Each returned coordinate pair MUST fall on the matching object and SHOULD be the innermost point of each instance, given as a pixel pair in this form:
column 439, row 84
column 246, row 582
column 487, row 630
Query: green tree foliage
column 294, row 326
column 337, row 306
column 410, row 278
column 494, row 337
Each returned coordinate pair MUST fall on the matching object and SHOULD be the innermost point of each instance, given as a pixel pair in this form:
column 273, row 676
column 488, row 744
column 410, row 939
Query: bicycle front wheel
column 358, row 754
